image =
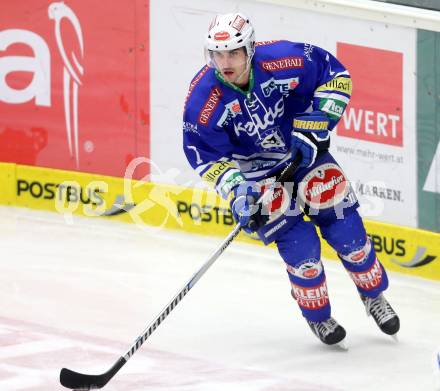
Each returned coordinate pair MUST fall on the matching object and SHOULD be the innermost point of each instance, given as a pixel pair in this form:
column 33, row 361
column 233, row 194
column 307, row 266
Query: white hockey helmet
column 229, row 32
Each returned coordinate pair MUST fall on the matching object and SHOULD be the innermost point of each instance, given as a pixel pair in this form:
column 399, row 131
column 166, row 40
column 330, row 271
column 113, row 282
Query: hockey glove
column 244, row 207
column 310, row 135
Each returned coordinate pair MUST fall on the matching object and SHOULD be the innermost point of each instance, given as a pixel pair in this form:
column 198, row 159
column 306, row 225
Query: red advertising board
column 74, row 84
column 375, row 111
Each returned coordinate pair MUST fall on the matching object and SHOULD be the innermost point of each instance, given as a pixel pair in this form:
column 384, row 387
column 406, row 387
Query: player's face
column 232, row 64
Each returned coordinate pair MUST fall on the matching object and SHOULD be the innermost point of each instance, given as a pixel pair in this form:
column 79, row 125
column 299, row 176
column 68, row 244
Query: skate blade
column 342, row 345
column 395, row 337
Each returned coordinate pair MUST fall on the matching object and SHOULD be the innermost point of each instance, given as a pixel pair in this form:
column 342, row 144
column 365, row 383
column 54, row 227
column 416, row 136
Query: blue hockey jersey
column 229, row 133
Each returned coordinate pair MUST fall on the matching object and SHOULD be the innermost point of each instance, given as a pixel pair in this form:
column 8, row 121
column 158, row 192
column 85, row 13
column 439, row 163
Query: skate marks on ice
column 31, row 357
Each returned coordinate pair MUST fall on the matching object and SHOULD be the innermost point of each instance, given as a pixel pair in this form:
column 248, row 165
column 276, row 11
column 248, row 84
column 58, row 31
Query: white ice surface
column 78, row 294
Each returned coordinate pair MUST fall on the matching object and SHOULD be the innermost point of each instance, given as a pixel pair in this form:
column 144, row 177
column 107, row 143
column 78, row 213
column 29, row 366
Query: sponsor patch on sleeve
column 333, row 107
column 213, row 173
column 339, row 84
column 230, row 182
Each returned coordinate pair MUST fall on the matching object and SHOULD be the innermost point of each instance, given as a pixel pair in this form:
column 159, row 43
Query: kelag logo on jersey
column 372, row 115
column 261, row 117
column 284, row 86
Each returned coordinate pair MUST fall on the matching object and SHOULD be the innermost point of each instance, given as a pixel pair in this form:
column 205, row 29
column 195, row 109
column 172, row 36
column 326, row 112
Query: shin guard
column 349, row 238
column 300, row 249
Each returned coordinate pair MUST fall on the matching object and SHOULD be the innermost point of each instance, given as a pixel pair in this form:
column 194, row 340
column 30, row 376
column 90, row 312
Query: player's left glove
column 244, row 207
column 310, row 135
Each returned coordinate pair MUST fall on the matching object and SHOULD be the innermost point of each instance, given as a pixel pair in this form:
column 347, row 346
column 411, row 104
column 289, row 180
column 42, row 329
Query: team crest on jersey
column 284, row 86
column 232, row 109
column 272, row 140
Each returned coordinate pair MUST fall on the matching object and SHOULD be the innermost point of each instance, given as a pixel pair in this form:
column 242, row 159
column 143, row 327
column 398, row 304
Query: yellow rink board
column 155, row 206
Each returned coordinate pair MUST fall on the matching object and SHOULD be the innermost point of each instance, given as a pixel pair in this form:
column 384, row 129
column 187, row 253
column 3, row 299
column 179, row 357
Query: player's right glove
column 244, row 207
column 310, row 135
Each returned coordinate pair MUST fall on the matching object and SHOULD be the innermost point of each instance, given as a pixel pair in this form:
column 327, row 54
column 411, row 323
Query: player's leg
column 348, row 237
column 331, row 204
column 300, row 249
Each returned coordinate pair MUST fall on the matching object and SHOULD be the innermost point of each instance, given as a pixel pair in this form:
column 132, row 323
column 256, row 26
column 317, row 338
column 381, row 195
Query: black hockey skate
column 382, row 313
column 329, row 331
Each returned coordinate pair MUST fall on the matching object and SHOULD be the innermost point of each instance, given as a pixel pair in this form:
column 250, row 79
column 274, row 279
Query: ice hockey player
column 248, row 113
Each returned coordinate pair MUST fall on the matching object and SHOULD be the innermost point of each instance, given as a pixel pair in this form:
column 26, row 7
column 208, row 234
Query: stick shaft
column 285, row 175
column 182, row 293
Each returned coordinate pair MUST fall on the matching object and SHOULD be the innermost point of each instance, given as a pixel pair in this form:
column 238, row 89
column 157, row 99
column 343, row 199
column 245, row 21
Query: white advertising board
column 375, row 142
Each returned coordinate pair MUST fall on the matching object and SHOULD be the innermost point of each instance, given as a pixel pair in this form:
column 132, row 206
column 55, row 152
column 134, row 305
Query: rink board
column 154, row 206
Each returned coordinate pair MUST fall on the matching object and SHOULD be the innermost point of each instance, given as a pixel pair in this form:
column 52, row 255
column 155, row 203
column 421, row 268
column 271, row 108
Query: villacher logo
column 324, row 187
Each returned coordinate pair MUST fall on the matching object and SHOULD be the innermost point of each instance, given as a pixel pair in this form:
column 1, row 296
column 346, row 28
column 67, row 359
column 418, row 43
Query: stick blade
column 80, row 381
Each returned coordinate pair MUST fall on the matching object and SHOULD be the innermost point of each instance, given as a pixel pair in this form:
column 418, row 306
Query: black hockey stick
column 80, row 381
